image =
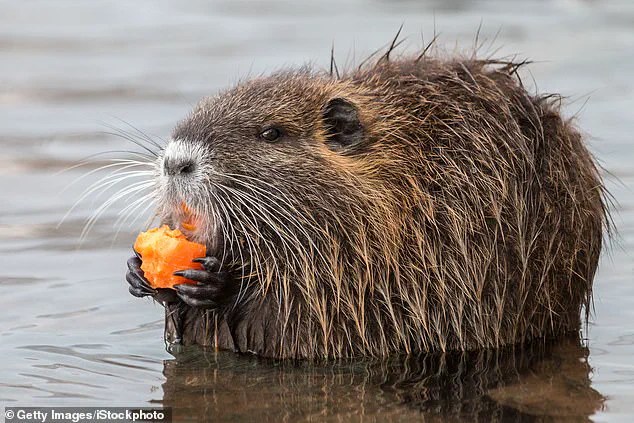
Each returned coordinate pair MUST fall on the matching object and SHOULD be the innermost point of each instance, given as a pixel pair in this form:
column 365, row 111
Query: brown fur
column 470, row 216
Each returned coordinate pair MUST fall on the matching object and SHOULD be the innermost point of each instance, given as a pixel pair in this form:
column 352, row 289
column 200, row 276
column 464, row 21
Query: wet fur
column 470, row 215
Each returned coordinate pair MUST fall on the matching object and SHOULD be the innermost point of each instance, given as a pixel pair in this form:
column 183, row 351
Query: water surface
column 72, row 335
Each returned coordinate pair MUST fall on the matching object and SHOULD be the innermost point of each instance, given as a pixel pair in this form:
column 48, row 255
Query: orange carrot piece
column 164, row 251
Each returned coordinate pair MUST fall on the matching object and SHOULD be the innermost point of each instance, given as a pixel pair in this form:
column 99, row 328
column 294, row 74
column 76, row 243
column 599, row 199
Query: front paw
column 213, row 289
column 139, row 286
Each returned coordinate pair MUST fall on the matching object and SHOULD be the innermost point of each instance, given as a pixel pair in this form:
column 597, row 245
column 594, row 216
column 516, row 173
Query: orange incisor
column 188, row 223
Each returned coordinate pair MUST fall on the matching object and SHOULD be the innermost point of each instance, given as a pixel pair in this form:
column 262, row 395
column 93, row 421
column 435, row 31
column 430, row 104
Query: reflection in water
column 541, row 382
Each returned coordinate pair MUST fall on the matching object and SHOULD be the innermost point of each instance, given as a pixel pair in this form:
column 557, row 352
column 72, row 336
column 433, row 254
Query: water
column 72, row 335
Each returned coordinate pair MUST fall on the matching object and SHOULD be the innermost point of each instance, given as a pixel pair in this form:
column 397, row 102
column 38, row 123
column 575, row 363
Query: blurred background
column 71, row 334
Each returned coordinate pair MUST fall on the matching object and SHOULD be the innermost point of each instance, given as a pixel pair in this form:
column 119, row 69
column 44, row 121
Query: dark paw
column 139, row 286
column 213, row 287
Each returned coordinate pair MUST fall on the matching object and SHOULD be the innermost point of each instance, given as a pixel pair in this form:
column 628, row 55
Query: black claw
column 213, row 288
column 210, row 264
column 140, row 292
column 203, row 276
column 197, row 275
column 139, row 286
column 136, row 292
column 134, row 263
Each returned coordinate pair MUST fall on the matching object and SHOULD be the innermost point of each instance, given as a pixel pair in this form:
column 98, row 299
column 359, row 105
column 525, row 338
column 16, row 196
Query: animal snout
column 173, row 167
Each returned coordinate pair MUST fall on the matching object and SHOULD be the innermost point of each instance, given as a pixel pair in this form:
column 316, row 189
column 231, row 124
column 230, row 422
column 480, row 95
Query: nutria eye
column 271, row 134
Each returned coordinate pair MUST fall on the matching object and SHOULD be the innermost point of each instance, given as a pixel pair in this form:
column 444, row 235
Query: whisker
column 292, row 218
column 237, row 240
column 254, row 257
column 117, row 179
column 103, row 183
column 89, row 159
column 128, row 211
column 232, row 236
column 120, row 162
column 120, row 133
column 143, row 134
column 218, row 221
column 106, row 204
column 256, row 230
column 266, row 219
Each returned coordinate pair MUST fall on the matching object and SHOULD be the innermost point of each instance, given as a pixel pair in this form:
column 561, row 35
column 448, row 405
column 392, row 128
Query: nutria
column 411, row 204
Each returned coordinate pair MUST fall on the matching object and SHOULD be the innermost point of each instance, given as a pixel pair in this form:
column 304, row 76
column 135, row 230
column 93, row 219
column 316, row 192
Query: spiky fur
column 470, row 217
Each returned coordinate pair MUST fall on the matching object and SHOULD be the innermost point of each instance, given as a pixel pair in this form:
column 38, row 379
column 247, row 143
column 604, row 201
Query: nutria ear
column 343, row 127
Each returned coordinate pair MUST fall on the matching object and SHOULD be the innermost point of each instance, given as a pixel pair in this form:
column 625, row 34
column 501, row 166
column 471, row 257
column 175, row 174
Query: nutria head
column 267, row 167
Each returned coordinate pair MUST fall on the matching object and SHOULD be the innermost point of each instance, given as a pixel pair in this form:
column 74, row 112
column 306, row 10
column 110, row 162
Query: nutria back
column 410, row 205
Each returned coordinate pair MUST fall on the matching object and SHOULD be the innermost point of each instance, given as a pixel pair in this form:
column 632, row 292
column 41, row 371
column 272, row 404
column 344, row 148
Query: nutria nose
column 178, row 167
